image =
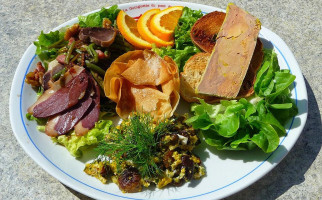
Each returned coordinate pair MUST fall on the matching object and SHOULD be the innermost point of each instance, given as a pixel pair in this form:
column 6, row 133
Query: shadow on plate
column 291, row 170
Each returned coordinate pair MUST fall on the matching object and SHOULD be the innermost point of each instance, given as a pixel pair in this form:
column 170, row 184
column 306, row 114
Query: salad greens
column 75, row 144
column 48, row 45
column 184, row 48
column 245, row 124
column 96, row 19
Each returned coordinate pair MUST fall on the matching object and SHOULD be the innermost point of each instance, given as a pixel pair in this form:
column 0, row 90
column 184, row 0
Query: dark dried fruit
column 168, row 159
column 179, row 183
column 129, row 180
column 187, row 163
column 105, row 171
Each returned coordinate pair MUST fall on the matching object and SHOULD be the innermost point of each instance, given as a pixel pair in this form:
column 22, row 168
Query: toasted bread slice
column 204, row 31
column 195, row 66
column 191, row 76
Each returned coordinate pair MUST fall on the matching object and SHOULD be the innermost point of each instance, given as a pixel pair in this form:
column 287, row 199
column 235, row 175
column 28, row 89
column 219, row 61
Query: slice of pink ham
column 92, row 115
column 64, row 98
column 69, row 75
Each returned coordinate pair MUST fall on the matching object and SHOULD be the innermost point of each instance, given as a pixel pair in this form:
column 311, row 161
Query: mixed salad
column 106, row 65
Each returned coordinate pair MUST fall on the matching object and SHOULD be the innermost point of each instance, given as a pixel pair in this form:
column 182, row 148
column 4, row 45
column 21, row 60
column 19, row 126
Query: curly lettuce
column 256, row 122
column 75, row 144
column 48, row 45
column 96, row 19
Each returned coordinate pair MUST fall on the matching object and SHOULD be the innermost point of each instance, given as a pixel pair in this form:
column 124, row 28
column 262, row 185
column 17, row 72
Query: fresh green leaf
column 48, row 44
column 267, row 138
column 184, row 47
column 75, row 144
column 227, row 125
column 96, row 19
column 40, row 121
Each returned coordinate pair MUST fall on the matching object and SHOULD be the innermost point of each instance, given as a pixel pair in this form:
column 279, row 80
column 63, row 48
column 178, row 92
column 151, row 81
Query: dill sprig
column 135, row 141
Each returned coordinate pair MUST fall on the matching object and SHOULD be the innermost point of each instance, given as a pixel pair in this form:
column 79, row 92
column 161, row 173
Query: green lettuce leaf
column 96, row 19
column 40, row 121
column 48, row 44
column 184, row 47
column 75, row 144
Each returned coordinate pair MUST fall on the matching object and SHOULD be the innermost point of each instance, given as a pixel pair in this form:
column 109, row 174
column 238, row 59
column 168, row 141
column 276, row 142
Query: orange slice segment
column 163, row 23
column 144, row 29
column 128, row 28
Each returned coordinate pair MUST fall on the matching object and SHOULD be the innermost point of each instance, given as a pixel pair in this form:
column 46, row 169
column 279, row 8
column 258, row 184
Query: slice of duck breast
column 92, row 115
column 69, row 75
column 103, row 37
column 64, row 98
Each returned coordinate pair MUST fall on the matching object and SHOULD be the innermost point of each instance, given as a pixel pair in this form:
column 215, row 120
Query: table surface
column 298, row 23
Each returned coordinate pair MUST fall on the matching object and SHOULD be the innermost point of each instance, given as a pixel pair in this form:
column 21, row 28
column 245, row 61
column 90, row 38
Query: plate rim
column 76, row 187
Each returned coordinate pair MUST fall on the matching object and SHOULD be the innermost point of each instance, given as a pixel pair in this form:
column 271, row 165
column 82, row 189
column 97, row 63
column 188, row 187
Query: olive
column 129, row 180
column 187, row 163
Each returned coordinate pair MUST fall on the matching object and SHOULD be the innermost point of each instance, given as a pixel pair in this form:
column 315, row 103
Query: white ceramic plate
column 227, row 172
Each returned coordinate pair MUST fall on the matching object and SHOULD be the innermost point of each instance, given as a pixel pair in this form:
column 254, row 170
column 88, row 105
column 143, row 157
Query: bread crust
column 204, row 31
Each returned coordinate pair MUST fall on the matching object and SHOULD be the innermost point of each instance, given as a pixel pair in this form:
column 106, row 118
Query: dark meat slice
column 68, row 120
column 103, row 37
column 92, row 114
column 64, row 98
column 69, row 75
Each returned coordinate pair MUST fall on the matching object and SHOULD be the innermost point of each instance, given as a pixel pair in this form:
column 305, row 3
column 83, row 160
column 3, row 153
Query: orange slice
column 163, row 23
column 128, row 28
column 145, row 32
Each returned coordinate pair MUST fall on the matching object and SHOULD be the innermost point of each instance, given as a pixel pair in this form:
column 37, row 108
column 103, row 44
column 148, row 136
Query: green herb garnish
column 135, row 141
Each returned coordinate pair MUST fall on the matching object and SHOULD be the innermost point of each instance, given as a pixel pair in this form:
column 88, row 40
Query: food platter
column 227, row 172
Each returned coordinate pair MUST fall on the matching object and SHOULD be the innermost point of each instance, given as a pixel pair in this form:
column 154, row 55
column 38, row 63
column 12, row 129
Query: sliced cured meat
column 92, row 114
column 70, row 117
column 103, row 37
column 65, row 121
column 74, row 71
column 63, row 98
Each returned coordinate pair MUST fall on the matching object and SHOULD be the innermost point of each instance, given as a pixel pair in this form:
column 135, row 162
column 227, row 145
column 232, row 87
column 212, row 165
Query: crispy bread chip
column 141, row 81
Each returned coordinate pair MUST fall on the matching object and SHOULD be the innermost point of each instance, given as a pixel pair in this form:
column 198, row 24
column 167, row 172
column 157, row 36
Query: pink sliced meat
column 68, row 120
column 63, row 98
column 73, row 72
column 92, row 115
